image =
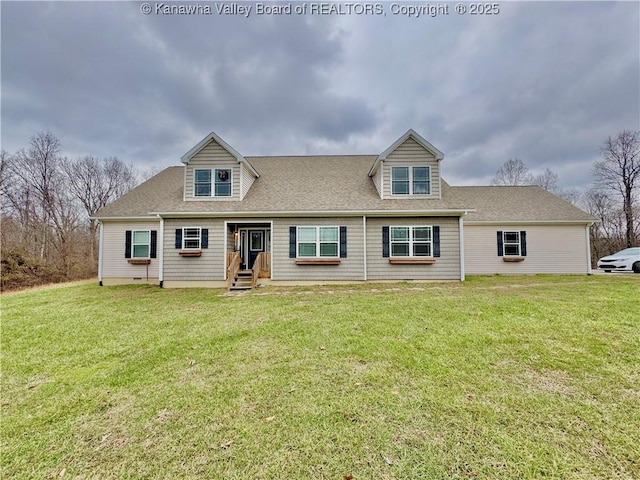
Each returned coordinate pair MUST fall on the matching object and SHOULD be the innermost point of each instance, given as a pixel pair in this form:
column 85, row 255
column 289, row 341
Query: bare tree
column 512, row 172
column 619, row 170
column 95, row 183
column 547, row 180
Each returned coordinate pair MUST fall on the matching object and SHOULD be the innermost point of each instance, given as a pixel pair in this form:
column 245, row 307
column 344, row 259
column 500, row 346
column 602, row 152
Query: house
column 223, row 219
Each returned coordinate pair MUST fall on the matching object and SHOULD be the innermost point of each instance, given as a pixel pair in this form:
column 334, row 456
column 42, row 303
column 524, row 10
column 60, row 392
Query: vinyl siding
column 550, row 249
column 285, row 268
column 411, row 154
column 209, row 266
column 213, row 156
column 446, row 267
column 247, row 180
column 114, row 264
column 377, row 179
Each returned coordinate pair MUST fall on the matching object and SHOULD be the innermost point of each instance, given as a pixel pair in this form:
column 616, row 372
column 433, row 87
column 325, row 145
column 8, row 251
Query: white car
column 627, row 259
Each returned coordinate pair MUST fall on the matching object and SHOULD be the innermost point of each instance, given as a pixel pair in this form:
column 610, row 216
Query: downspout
column 364, row 243
column 461, row 231
column 100, row 251
column 588, row 243
column 161, row 253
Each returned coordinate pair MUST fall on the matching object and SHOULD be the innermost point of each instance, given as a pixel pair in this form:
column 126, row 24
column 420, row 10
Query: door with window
column 252, row 242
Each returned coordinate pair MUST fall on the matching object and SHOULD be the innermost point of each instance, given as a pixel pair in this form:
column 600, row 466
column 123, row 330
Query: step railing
column 233, row 269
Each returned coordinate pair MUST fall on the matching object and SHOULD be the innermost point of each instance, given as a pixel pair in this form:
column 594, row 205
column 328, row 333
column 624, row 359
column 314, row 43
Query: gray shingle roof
column 337, row 184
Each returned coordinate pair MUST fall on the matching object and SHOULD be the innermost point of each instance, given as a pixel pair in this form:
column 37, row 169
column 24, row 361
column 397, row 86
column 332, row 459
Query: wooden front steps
column 242, row 281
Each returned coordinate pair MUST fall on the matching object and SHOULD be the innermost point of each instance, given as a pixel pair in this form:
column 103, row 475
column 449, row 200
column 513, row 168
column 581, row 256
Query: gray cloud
column 546, row 82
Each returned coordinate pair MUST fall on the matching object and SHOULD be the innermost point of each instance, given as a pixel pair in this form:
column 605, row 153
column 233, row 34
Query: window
column 141, row 243
column 410, row 180
column 223, row 183
column 512, row 244
column 318, row 241
column 202, row 183
column 191, row 238
column 411, row 241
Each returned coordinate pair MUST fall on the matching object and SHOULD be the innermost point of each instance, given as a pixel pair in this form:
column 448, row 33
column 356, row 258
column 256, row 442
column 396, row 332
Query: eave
column 418, row 138
column 232, row 151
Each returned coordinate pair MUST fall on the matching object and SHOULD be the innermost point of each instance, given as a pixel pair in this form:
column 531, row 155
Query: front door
column 256, row 245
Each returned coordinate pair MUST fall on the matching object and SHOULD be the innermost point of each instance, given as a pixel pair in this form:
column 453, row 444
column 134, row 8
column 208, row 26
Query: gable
column 410, row 153
column 214, row 154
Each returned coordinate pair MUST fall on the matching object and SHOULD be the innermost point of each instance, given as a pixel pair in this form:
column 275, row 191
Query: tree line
column 47, row 201
column 613, row 196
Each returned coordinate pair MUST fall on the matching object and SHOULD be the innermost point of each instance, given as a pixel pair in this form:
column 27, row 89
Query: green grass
column 499, row 377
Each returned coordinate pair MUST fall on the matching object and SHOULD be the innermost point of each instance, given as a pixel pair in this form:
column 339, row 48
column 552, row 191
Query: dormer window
column 410, row 180
column 221, row 182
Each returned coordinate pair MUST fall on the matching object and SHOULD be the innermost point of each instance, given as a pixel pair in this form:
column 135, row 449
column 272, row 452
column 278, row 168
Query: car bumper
column 614, row 266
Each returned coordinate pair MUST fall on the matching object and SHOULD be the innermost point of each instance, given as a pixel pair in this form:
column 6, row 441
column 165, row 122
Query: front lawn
column 495, row 378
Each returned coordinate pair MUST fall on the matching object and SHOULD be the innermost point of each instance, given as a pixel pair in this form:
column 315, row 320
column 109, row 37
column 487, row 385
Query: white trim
column 214, row 175
column 364, row 243
column 100, row 249
column 241, row 183
column 213, row 136
column 323, row 213
column 526, row 222
column 224, row 250
column 382, row 179
column 409, row 133
column 183, row 247
column 133, row 244
column 318, row 241
column 461, row 242
column 411, row 195
column 588, row 242
column 505, row 243
column 160, row 251
column 147, row 218
column 411, row 241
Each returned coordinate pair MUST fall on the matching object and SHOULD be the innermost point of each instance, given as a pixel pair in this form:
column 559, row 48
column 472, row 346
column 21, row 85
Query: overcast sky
column 546, row 82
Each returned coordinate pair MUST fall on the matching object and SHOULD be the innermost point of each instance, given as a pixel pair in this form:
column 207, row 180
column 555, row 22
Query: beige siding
column 409, row 154
column 446, row 267
column 247, row 180
column 115, row 265
column 377, row 179
column 213, row 156
column 209, row 266
column 550, row 249
column 285, row 268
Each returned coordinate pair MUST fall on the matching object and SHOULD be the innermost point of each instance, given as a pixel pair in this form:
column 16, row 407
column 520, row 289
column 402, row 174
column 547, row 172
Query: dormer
column 216, row 171
column 408, row 169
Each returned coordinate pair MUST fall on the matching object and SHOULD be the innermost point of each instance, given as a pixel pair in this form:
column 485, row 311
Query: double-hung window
column 512, row 243
column 202, row 185
column 141, row 244
column 410, row 180
column 191, row 238
column 318, row 242
column 223, row 182
column 216, row 182
column 411, row 241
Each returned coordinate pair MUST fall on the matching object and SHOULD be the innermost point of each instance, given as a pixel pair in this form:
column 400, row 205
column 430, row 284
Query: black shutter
column 204, row 238
column 500, row 245
column 343, row 242
column 436, row 241
column 178, row 238
column 154, row 242
column 385, row 242
column 523, row 243
column 127, row 244
column 292, row 242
